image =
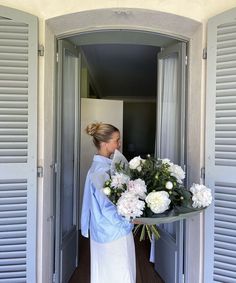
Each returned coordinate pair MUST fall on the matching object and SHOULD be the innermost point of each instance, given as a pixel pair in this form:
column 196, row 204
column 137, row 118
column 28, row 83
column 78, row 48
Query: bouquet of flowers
column 152, row 192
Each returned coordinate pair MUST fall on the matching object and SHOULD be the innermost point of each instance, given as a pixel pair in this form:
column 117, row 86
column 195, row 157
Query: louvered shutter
column 220, row 218
column 18, row 145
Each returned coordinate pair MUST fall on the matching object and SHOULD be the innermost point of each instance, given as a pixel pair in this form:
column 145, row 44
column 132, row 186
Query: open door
column 170, row 144
column 66, row 238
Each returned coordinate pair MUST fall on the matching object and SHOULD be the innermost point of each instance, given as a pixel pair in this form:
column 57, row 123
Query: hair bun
column 92, row 128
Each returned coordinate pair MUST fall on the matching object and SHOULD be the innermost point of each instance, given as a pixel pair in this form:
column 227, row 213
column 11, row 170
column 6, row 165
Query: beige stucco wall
column 199, row 10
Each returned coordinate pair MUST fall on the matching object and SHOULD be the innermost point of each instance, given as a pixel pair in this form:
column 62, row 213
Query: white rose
column 158, row 201
column 202, row 196
column 136, row 163
column 107, row 191
column 169, row 185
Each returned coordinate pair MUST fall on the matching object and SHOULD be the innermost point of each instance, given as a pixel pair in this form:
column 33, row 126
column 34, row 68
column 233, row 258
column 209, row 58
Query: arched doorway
column 133, row 19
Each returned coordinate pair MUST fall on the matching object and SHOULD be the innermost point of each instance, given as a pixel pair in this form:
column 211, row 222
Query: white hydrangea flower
column 119, row 179
column 202, row 196
column 158, row 201
column 130, row 206
column 107, row 191
column 169, row 185
column 136, row 163
column 138, row 187
column 177, row 172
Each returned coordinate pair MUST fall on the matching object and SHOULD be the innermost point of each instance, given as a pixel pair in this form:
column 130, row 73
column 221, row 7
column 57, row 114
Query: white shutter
column 18, row 145
column 220, row 218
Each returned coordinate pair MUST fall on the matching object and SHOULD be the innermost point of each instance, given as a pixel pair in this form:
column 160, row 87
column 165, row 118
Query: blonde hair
column 100, row 132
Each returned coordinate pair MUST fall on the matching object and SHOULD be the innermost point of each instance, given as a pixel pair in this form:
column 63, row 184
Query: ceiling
column 122, row 70
column 122, row 63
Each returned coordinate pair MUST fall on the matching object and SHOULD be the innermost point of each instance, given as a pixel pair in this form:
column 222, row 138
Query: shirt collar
column 103, row 159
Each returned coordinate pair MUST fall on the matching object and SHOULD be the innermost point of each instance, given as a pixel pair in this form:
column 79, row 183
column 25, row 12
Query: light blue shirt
column 99, row 216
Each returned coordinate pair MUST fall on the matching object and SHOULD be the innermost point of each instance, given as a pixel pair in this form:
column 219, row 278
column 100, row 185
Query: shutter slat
column 15, row 36
column 225, row 266
column 11, row 220
column 13, row 84
column 14, row 200
column 223, row 272
column 15, row 267
column 13, row 29
column 227, row 44
column 13, row 77
column 222, row 93
column 13, row 97
column 226, row 30
column 13, row 280
column 15, row 69
column 225, row 245
column 225, row 99
column 13, row 125
column 14, row 49
column 225, row 134
column 13, row 42
column 226, row 238
column 225, row 255
column 13, row 241
column 224, row 224
column 10, row 64
column 16, row 145
column 226, row 106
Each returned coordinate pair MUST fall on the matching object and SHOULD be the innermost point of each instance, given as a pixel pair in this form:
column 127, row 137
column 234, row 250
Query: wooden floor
column 145, row 269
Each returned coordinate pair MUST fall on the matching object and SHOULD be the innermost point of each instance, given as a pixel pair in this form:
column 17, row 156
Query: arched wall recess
column 149, row 21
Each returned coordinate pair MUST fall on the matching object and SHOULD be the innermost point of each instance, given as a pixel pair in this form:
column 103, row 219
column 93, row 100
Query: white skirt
column 113, row 262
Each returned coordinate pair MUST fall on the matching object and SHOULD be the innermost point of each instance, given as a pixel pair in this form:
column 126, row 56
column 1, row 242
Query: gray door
column 18, row 145
column 66, row 248
column 170, row 144
column 220, row 217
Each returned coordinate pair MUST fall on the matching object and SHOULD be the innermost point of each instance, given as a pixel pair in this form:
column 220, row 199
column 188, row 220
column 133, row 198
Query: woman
column 111, row 240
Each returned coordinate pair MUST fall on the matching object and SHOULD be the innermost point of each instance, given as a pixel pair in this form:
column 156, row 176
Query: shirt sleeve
column 107, row 208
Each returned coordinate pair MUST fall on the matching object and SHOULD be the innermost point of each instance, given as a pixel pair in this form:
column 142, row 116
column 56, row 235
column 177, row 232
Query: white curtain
column 170, row 124
column 170, row 114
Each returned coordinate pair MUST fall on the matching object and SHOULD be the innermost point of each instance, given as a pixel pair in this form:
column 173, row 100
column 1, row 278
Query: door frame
column 131, row 19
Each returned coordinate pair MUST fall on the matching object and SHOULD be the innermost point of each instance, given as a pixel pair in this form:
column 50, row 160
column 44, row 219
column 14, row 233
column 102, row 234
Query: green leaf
column 155, row 231
column 142, row 236
column 149, row 232
column 137, row 227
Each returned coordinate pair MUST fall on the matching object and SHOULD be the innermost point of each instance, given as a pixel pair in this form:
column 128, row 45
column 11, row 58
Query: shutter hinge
column 39, row 171
column 41, row 50
column 186, row 60
column 57, row 56
column 203, row 173
column 204, row 53
column 54, row 167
